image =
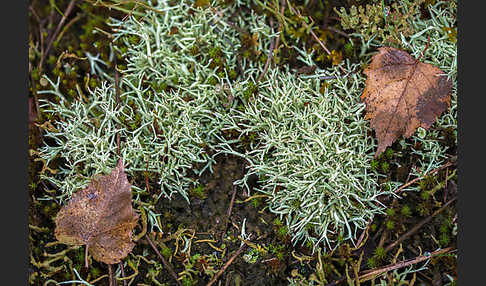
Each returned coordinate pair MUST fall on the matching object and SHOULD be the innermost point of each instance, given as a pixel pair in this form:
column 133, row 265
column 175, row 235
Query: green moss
column 277, row 222
column 385, row 167
column 199, row 191
column 282, row 231
column 390, row 225
column 406, row 211
column 166, row 252
column 379, row 253
column 371, row 263
column 374, row 164
column 444, row 239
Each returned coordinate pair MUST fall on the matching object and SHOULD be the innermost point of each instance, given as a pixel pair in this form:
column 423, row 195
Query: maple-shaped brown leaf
column 402, row 94
column 101, row 217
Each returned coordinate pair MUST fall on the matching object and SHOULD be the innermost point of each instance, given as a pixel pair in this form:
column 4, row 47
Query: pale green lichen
column 311, row 150
column 312, row 153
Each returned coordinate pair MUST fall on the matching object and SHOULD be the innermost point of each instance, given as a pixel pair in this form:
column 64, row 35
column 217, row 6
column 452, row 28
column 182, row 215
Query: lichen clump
column 187, row 96
column 312, row 154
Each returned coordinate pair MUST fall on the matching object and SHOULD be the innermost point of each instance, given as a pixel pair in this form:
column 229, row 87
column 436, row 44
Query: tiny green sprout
column 32, row 185
column 79, row 257
column 379, row 253
column 406, row 211
column 308, row 244
column 277, row 222
column 282, row 231
column 390, row 212
column 424, row 195
column 212, row 80
column 389, row 153
column 232, row 74
column 371, row 263
column 385, row 167
column 47, row 209
column 214, row 52
column 444, row 239
column 199, row 191
column 255, row 202
column 188, row 281
column 444, row 228
column 194, row 50
column 95, row 272
column 51, row 60
column 374, row 164
column 373, row 227
column 348, row 49
column 390, row 224
column 166, row 251
column 133, row 39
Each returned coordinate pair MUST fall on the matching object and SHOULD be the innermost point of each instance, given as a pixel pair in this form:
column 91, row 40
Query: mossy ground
column 204, row 225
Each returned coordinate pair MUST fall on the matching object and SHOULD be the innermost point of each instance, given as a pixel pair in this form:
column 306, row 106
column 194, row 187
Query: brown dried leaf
column 100, row 216
column 402, row 94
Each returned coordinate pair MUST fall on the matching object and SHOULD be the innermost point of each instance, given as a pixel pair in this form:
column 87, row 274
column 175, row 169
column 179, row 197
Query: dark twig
column 230, row 208
column 110, row 274
column 123, row 274
column 419, row 225
column 280, row 25
column 215, row 278
column 361, row 237
column 423, row 52
column 53, row 36
column 69, row 24
column 296, row 12
column 337, row 31
column 270, row 54
column 166, row 264
column 86, row 256
column 117, row 91
column 370, row 274
column 228, row 213
column 445, row 186
column 450, row 163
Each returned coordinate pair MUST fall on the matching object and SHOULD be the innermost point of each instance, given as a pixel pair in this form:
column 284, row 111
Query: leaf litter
column 101, row 217
column 402, row 94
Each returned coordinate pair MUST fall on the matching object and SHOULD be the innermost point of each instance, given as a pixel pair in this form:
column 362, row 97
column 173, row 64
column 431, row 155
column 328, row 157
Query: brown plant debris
column 100, row 216
column 403, row 94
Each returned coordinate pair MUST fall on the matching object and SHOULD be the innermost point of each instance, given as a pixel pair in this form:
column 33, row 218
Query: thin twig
column 110, row 274
column 270, row 55
column 59, row 25
column 445, row 186
column 69, row 24
column 123, row 274
column 117, row 92
column 450, row 163
column 370, row 274
column 230, row 208
column 361, row 237
column 313, row 34
column 419, row 225
column 337, row 31
column 228, row 213
column 215, row 278
column 280, row 25
column 166, row 264
column 86, row 256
